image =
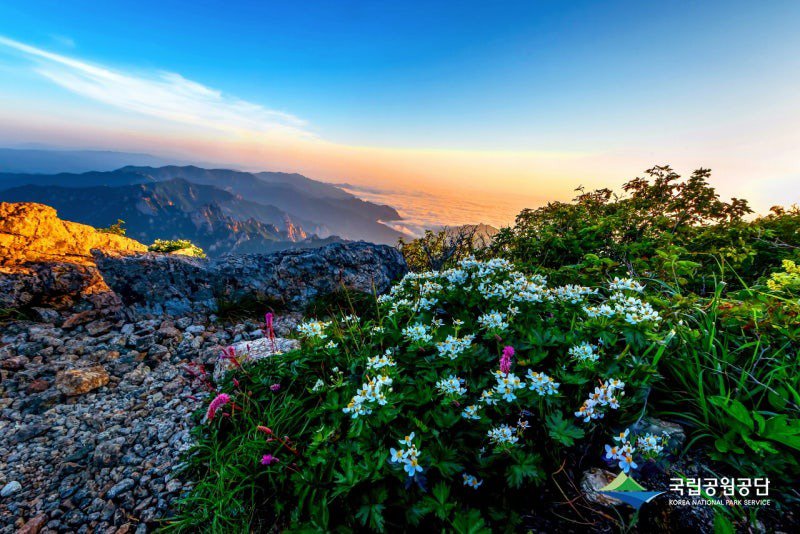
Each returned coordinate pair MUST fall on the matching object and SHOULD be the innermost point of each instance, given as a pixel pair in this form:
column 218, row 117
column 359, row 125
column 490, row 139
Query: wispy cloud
column 164, row 95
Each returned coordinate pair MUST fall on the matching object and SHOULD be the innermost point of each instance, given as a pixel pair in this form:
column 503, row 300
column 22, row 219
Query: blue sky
column 619, row 82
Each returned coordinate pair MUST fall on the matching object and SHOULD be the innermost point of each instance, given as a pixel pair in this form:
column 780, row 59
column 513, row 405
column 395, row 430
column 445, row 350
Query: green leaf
column 470, row 522
column 722, row 525
column 525, row 468
column 563, row 431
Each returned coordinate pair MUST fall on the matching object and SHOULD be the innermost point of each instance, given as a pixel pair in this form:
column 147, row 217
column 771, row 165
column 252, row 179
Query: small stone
column 120, row 487
column 46, row 315
column 10, row 488
column 79, row 319
column 80, row 381
column 95, row 328
column 37, row 386
column 29, row 432
column 34, row 525
column 15, row 363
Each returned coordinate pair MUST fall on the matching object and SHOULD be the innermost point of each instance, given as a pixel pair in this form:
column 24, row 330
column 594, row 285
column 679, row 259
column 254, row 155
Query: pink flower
column 505, row 359
column 268, row 459
column 228, row 353
column 269, row 317
column 219, row 401
column 275, row 388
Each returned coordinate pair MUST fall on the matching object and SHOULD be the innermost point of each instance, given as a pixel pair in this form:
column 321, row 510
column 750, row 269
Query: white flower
column 507, row 385
column 319, row 385
column 379, row 362
column 471, row 412
column 313, row 329
column 471, row 481
column 542, row 384
column 493, row 320
column 452, row 385
column 453, row 346
column 502, row 435
column 585, row 352
column 602, row 396
column 371, row 393
column 418, row 333
column 620, row 284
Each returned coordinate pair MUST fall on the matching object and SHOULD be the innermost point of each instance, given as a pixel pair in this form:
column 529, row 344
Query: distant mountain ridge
column 219, row 209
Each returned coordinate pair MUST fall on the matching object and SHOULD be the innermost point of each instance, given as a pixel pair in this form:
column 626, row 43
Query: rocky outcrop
column 45, row 261
column 33, row 233
column 156, row 284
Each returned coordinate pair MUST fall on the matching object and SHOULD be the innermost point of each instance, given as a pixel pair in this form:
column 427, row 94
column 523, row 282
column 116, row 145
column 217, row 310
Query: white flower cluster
column 370, row 393
column 518, row 288
column 417, row 333
column 602, row 310
column 601, row 397
column 571, row 293
column 452, row 385
column 453, row 346
column 471, row 412
column 542, row 384
column 493, row 321
column 313, row 329
column 351, row 319
column 633, row 309
column 649, row 443
column 379, row 362
column 623, row 284
column 502, row 435
column 585, row 352
column 506, row 386
column 408, row 457
column 623, row 451
column 456, row 277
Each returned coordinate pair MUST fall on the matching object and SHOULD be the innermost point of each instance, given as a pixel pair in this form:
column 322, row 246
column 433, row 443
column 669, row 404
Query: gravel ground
column 94, row 417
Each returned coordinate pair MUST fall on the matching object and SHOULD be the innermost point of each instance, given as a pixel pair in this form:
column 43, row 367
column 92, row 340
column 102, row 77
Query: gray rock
column 149, row 282
column 10, row 488
column 592, row 481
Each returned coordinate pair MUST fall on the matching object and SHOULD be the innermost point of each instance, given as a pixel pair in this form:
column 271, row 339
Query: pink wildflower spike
column 268, row 459
column 275, row 388
column 269, row 318
column 505, row 359
column 265, row 429
column 219, row 401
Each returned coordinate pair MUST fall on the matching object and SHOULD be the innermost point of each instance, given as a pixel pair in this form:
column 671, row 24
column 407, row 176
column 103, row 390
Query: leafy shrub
column 662, row 226
column 118, row 228
column 466, row 392
column 435, row 251
column 186, row 247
